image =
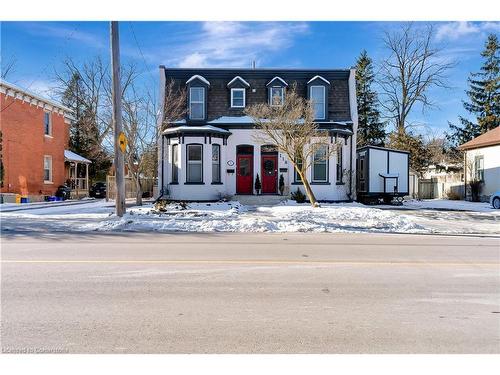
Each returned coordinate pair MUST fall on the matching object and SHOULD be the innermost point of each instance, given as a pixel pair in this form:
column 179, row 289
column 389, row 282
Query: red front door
column 269, row 170
column 244, row 174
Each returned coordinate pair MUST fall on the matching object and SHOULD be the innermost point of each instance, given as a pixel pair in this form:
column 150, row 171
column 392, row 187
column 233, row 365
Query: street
column 249, row 293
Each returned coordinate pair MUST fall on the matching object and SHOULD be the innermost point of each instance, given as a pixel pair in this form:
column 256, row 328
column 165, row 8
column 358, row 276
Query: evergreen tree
column 420, row 154
column 484, row 97
column 370, row 129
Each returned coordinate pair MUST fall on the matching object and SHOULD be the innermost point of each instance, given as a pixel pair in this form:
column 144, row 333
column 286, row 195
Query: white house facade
column 482, row 162
column 212, row 153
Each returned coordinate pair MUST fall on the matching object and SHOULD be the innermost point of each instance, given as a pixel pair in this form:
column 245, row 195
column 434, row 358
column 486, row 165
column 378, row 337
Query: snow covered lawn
column 234, row 217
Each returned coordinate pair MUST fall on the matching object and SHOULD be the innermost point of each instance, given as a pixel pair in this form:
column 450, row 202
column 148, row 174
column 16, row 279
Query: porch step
column 259, row 200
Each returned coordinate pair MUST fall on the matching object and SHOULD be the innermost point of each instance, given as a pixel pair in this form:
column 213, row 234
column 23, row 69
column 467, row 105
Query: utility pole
column 120, row 144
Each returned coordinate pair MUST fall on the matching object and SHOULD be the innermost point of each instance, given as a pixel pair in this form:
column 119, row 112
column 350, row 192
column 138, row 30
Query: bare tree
column 175, row 105
column 7, row 66
column 291, row 129
column 412, row 68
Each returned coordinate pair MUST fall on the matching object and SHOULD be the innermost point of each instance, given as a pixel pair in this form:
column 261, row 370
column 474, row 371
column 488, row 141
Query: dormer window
column 276, row 88
column 237, row 98
column 197, row 103
column 317, row 92
column 317, row 96
column 276, row 96
column 197, row 97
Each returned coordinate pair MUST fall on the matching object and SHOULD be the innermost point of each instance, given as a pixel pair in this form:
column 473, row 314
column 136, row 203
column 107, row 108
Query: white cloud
column 232, row 44
column 65, row 32
column 457, row 30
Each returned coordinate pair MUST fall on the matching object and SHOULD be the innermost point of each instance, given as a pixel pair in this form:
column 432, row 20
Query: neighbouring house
column 482, row 163
column 443, row 181
column 211, row 153
column 35, row 138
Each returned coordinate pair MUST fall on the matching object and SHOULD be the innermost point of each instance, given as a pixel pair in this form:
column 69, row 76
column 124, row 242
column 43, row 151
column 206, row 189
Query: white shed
column 382, row 173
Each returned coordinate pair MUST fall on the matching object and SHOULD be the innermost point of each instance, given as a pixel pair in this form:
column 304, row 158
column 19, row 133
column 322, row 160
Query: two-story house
column 212, row 151
column 35, row 137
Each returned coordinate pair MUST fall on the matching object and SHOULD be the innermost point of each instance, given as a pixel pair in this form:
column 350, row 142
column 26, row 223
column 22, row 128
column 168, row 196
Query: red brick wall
column 24, row 146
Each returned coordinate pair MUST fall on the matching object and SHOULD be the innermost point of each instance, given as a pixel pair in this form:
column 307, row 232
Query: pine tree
column 484, row 97
column 370, row 129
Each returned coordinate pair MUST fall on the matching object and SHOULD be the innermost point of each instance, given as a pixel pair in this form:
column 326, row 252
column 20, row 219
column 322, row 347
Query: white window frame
column 191, row 162
column 271, row 96
column 45, row 158
column 218, row 164
column 326, row 162
column 232, row 97
column 324, row 101
column 339, row 164
column 47, row 113
column 175, row 163
column 197, row 102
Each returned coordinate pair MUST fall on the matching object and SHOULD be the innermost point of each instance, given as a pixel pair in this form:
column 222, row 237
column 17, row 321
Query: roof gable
column 281, row 81
column 318, row 78
column 199, row 78
column 238, row 79
column 490, row 138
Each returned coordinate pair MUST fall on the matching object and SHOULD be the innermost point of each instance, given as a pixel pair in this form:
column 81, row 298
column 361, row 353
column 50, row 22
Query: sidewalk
column 12, row 207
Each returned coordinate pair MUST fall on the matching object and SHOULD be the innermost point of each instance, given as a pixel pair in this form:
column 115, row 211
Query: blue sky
column 38, row 49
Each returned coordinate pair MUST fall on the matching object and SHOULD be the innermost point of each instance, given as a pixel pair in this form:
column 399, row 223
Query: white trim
column 189, row 128
column 271, row 96
column 278, row 78
column 324, row 101
column 241, row 79
column 244, row 98
column 10, row 89
column 50, row 180
column 318, row 77
column 326, row 162
column 196, row 76
column 197, row 102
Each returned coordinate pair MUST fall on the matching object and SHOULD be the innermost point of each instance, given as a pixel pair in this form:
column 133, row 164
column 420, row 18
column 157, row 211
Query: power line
column 140, row 51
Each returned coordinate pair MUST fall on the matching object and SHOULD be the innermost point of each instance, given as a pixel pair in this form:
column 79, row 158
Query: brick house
column 35, row 138
column 212, row 153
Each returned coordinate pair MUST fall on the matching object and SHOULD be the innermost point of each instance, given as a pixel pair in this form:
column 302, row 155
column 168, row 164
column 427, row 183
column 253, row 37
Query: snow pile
column 233, row 217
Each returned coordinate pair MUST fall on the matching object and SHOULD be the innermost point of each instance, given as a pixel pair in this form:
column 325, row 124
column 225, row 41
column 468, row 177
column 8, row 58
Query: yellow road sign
column 122, row 142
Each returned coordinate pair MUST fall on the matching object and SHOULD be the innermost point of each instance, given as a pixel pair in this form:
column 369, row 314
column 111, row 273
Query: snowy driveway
column 413, row 217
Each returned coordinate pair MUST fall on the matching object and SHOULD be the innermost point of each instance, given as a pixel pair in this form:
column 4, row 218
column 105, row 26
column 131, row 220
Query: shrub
column 475, row 189
column 453, row 195
column 298, row 196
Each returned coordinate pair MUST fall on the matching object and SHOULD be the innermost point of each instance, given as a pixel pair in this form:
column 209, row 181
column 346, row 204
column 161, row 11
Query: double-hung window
column 216, row 164
column 47, row 123
column 479, row 167
column 339, row 170
column 47, row 168
column 175, row 163
column 194, row 163
column 197, row 103
column 276, row 96
column 320, row 164
column 317, row 96
column 237, row 98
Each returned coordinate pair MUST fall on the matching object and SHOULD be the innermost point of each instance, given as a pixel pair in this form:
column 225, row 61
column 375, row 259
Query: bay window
column 194, row 161
column 175, row 164
column 320, row 164
column 216, row 164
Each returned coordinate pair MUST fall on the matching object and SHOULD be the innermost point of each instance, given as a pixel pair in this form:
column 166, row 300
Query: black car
column 63, row 192
column 98, row 190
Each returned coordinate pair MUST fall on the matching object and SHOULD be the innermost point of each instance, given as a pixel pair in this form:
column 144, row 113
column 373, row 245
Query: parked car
column 63, row 192
column 98, row 190
column 495, row 199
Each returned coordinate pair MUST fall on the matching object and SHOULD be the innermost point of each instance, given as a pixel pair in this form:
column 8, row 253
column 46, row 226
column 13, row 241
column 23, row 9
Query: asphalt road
column 250, row 293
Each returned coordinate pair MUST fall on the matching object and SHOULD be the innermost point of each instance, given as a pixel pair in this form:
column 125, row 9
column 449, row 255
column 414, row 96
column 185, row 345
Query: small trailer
column 382, row 174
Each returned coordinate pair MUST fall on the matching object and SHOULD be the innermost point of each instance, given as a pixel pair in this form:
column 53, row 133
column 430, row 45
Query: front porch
column 77, row 174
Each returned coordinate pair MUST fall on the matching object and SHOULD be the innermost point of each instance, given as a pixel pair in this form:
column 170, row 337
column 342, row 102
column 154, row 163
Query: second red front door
column 269, row 170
